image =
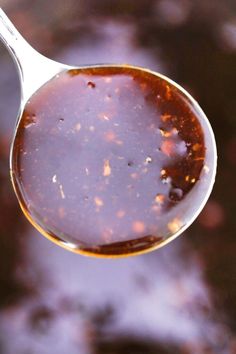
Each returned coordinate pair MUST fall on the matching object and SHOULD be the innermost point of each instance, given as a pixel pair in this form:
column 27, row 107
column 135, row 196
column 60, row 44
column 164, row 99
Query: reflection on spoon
column 107, row 160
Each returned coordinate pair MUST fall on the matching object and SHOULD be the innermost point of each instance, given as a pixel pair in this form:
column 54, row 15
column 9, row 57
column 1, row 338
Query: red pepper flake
column 174, row 225
column 78, row 127
column 159, row 198
column 107, row 234
column 110, row 136
column 134, row 175
column 168, row 147
column 119, row 142
column 98, row 201
column 145, row 170
column 108, row 80
column 143, row 86
column 120, row 214
column 163, row 172
column 156, row 208
column 167, row 134
column 168, row 92
column 61, row 212
column 106, row 168
column 165, row 117
column 199, row 159
column 138, row 226
column 196, row 147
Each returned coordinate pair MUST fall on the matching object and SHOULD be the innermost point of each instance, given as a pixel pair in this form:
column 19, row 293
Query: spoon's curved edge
column 87, row 251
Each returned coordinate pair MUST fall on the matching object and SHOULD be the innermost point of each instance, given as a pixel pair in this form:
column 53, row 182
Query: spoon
column 106, row 160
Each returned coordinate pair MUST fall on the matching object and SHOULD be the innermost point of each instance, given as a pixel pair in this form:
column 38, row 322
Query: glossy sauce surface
column 111, row 160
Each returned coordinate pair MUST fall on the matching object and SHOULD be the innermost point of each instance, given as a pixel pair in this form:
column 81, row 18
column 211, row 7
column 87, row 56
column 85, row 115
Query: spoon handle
column 34, row 69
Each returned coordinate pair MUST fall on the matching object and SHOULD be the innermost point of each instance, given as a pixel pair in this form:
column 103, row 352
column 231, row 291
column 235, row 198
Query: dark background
column 179, row 299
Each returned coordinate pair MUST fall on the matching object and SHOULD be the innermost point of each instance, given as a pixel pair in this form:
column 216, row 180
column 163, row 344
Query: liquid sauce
column 110, row 161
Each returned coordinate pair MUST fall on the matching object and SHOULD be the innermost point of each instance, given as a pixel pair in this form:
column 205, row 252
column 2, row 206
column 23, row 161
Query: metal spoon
column 128, row 195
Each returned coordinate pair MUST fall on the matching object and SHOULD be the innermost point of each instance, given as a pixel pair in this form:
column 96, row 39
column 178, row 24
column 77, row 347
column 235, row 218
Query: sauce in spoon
column 111, row 160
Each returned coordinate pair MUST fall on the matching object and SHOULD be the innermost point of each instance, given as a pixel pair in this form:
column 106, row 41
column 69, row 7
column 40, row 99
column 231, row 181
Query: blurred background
column 179, row 299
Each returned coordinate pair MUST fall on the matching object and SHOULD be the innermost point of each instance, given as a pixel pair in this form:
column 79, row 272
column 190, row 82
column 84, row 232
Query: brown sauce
column 110, row 160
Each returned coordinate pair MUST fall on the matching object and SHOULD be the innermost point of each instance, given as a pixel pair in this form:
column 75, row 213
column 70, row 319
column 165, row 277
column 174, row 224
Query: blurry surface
column 180, row 299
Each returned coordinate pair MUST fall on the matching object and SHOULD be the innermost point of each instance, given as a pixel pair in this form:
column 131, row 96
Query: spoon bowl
column 107, row 160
